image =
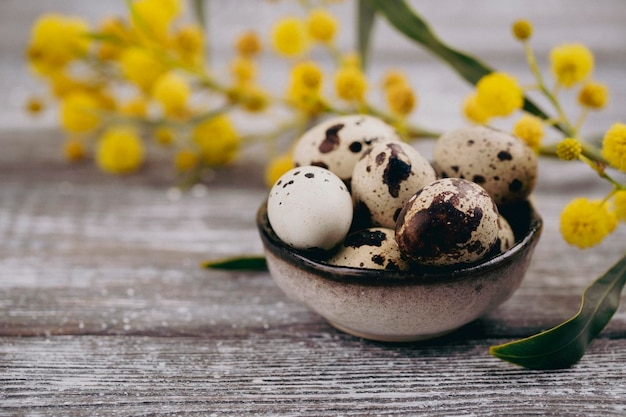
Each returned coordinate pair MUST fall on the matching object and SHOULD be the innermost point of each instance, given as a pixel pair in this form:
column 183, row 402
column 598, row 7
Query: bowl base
column 389, row 337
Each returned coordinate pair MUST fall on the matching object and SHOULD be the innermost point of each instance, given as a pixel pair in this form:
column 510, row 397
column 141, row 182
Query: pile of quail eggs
column 361, row 197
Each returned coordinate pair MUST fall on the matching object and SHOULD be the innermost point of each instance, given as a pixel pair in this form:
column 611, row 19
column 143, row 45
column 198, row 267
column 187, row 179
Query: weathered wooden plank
column 296, row 373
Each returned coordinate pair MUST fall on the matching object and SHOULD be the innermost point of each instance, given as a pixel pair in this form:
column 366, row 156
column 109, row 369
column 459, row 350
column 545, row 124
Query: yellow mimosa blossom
column 119, row 151
column 141, row 67
column 243, row 70
column 499, row 94
column 401, row 99
column 254, row 98
column 116, row 33
column 217, row 139
column 79, row 112
column 135, row 107
column 74, row 150
column 393, row 78
column 473, row 112
column 614, row 146
column 522, row 29
column 619, row 205
column 277, row 167
column 350, row 84
column 529, row 129
column 248, row 44
column 55, row 41
column 34, row 105
column 171, row 91
column 305, row 99
column 593, row 95
column 290, row 37
column 189, row 43
column 164, row 135
column 185, row 160
column 322, row 26
column 586, row 223
column 571, row 63
column 569, row 149
column 151, row 19
column 308, row 75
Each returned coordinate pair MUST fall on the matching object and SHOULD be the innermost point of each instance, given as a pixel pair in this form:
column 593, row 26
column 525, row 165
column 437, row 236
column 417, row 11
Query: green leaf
column 365, row 25
column 563, row 345
column 239, row 263
column 408, row 22
column 198, row 8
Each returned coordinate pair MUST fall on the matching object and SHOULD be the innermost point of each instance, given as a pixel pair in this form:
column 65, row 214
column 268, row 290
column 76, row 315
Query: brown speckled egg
column 373, row 248
column 449, row 221
column 338, row 143
column 497, row 161
column 385, row 178
column 506, row 237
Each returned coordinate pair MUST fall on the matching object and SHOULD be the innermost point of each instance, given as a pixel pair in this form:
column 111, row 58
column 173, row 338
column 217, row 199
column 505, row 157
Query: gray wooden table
column 104, row 309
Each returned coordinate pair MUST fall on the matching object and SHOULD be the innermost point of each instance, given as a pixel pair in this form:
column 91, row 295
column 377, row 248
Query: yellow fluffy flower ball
column 74, row 150
column 593, row 95
column 185, row 160
column 56, row 40
column 117, row 35
column 308, row 75
column 585, row 223
column 289, row 37
column 141, row 67
column 393, row 78
column 189, row 43
column 401, row 99
column 569, row 149
column 322, row 26
column 78, row 112
column 522, row 29
column 350, row 84
column 529, row 129
column 151, row 19
column 614, row 146
column 277, row 167
column 217, row 140
column 473, row 112
column 571, row 63
column 248, row 44
column 499, row 94
column 243, row 69
column 119, row 151
column 171, row 91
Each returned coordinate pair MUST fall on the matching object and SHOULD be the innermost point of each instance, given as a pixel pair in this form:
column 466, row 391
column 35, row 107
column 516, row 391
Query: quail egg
column 338, row 143
column 373, row 248
column 506, row 237
column 385, row 177
column 449, row 221
column 310, row 208
column 497, row 161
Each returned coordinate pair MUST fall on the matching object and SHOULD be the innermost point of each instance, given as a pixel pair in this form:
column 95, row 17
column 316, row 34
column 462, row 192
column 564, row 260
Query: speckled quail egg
column 506, row 237
column 496, row 160
column 449, row 221
column 310, row 208
column 338, row 143
column 373, row 248
column 385, row 177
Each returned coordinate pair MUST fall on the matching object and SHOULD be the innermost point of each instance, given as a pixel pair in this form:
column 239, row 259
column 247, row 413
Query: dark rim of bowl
column 526, row 238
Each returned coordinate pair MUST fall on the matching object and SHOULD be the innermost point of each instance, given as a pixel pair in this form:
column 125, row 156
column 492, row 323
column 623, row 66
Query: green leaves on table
column 239, row 263
column 563, row 345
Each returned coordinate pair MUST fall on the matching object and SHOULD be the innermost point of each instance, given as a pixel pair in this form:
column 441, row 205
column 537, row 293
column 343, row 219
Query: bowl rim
column 424, row 276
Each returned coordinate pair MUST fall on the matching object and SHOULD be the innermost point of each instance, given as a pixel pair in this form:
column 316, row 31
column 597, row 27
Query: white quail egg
column 310, row 208
column 385, row 177
column 338, row 143
column 373, row 248
column 496, row 160
column 449, row 221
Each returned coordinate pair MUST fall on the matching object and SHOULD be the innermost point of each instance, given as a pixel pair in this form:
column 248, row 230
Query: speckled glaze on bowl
column 397, row 306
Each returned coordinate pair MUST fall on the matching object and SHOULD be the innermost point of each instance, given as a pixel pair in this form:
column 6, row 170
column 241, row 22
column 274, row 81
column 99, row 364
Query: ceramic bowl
column 402, row 306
